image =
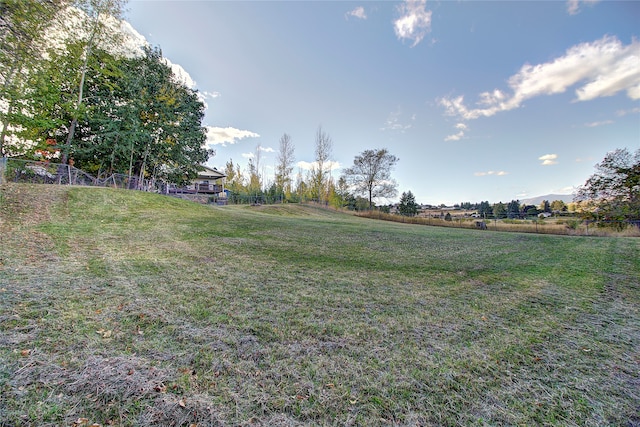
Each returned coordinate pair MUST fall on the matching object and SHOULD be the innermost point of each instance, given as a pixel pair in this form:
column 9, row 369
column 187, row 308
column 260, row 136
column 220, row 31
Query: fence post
column 3, row 168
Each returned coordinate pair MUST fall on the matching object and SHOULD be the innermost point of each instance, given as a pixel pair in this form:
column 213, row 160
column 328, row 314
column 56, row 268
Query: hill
column 127, row 308
column 567, row 198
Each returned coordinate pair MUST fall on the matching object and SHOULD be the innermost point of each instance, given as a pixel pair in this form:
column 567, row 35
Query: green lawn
column 126, row 308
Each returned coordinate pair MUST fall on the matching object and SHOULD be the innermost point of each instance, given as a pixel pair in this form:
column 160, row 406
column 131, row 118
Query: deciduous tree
column 320, row 172
column 284, row 166
column 615, row 186
column 23, row 25
column 370, row 174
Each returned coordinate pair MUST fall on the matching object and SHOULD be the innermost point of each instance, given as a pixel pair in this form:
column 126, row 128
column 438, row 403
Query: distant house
column 209, row 181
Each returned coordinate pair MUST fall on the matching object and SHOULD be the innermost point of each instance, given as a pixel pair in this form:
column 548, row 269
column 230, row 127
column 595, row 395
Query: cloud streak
column 489, row 173
column 414, row 22
column 605, row 67
column 573, row 6
column 228, row 135
column 458, row 136
column 358, row 12
column 549, row 159
column 330, row 165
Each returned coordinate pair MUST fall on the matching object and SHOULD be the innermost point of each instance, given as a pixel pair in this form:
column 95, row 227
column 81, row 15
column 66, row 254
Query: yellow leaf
column 181, row 403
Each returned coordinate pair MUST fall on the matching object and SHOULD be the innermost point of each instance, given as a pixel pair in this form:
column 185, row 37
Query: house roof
column 210, row 173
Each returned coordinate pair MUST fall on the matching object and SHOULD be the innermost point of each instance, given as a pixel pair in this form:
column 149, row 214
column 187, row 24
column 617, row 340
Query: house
column 209, row 181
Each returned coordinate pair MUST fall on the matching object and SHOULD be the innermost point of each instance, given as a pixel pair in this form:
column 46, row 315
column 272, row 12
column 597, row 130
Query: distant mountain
column 567, row 198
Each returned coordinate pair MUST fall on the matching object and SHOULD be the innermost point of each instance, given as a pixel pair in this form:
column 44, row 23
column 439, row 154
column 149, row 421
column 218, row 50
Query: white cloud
column 596, row 124
column 455, row 137
column 622, row 113
column 134, row 42
column 330, row 165
column 570, row 189
column 266, row 149
column 573, row 6
column 180, row 74
column 414, row 22
column 248, row 155
column 549, row 159
column 393, row 121
column 605, row 66
column 210, row 95
column 458, row 136
column 488, row 173
column 358, row 12
column 222, row 136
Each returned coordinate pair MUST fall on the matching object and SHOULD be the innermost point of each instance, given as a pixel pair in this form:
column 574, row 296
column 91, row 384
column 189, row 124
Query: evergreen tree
column 408, row 205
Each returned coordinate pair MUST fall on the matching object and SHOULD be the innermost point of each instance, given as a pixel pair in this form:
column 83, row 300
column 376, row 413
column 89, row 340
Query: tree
column 499, row 210
column 513, row 209
column 23, row 25
column 558, row 206
column 545, row 206
column 615, row 187
column 320, row 172
column 284, row 165
column 408, row 205
column 485, row 209
column 89, row 25
column 370, row 174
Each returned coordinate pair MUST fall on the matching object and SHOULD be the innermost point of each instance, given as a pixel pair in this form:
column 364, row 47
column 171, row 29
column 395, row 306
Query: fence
column 564, row 226
column 34, row 172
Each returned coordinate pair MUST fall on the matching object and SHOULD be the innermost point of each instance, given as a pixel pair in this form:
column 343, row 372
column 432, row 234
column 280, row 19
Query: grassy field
column 125, row 308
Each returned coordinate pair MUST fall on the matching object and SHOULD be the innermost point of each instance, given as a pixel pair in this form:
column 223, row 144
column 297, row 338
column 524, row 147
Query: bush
column 573, row 224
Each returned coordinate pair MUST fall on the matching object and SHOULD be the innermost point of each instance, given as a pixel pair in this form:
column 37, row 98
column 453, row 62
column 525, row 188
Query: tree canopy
column 80, row 99
column 370, row 174
column 408, row 205
column 615, row 187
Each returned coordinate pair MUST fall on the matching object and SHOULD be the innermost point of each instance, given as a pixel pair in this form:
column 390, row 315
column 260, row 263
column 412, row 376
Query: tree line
column 357, row 187
column 71, row 94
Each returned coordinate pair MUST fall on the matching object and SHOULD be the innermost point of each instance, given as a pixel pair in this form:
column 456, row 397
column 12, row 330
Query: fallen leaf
column 181, row 403
column 25, row 352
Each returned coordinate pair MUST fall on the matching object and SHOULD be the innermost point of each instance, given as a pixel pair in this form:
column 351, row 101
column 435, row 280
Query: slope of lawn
column 133, row 309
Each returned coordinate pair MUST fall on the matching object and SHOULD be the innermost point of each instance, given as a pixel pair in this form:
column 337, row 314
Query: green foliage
column 408, row 205
column 499, row 210
column 22, row 29
column 615, row 186
column 106, row 112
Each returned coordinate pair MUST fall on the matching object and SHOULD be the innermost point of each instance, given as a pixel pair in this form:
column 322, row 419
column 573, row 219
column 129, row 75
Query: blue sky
column 480, row 100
